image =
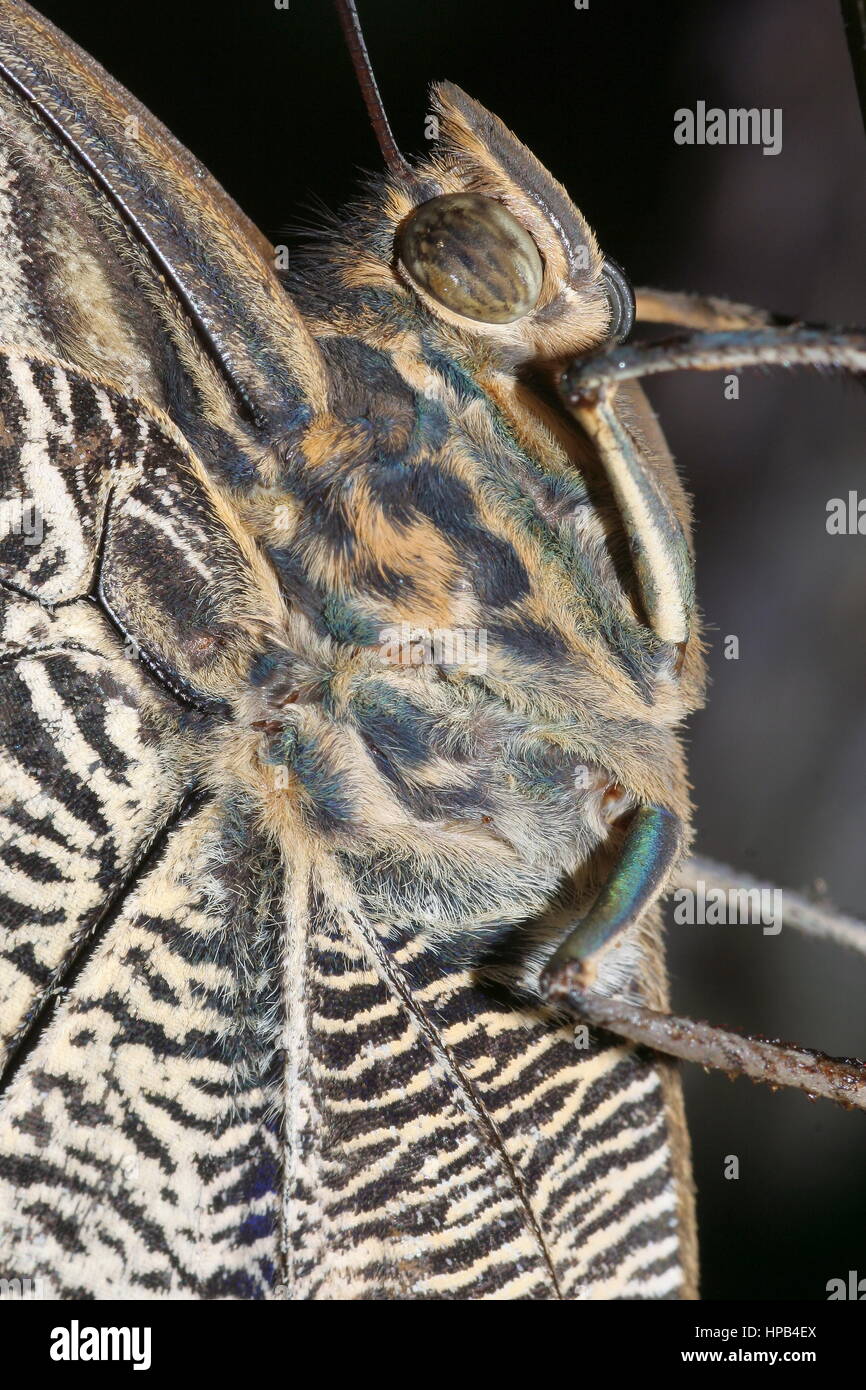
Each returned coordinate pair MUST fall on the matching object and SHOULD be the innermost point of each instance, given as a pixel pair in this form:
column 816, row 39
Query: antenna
column 854, row 20
column 354, row 37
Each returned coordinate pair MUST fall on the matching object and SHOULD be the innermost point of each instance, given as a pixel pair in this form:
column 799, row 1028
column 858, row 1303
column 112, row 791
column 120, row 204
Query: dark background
column 266, row 99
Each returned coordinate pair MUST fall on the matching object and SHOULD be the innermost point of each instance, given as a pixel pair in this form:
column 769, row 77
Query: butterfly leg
column 798, row 912
column 599, row 392
column 587, row 382
column 660, row 554
column 709, row 314
column 699, row 311
column 651, row 846
column 842, row 1079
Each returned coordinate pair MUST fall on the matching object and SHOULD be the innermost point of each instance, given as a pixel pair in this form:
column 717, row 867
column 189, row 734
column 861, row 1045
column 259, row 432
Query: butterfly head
column 493, row 247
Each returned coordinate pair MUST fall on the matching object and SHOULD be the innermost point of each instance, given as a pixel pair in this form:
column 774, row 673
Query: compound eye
column 470, row 255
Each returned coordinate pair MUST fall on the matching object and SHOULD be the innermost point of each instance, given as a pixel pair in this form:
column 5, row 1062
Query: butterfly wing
column 144, row 317
column 223, row 1077
column 137, row 1161
column 449, row 1145
column 132, row 1124
column 123, row 256
column 135, row 1158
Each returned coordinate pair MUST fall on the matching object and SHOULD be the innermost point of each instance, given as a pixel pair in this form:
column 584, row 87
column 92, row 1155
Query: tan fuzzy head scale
column 565, row 308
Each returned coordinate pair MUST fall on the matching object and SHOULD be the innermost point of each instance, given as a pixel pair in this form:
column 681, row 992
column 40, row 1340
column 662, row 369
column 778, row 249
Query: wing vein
column 39, row 1016
column 483, row 1118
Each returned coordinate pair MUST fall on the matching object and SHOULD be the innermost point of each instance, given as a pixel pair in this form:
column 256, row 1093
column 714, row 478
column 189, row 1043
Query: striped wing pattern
column 222, row 1076
column 94, row 759
column 432, row 1144
column 88, row 784
column 472, row 1150
column 222, row 1080
column 127, row 1146
column 136, row 1160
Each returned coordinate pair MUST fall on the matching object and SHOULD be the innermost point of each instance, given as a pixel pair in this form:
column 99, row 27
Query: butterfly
column 343, row 671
